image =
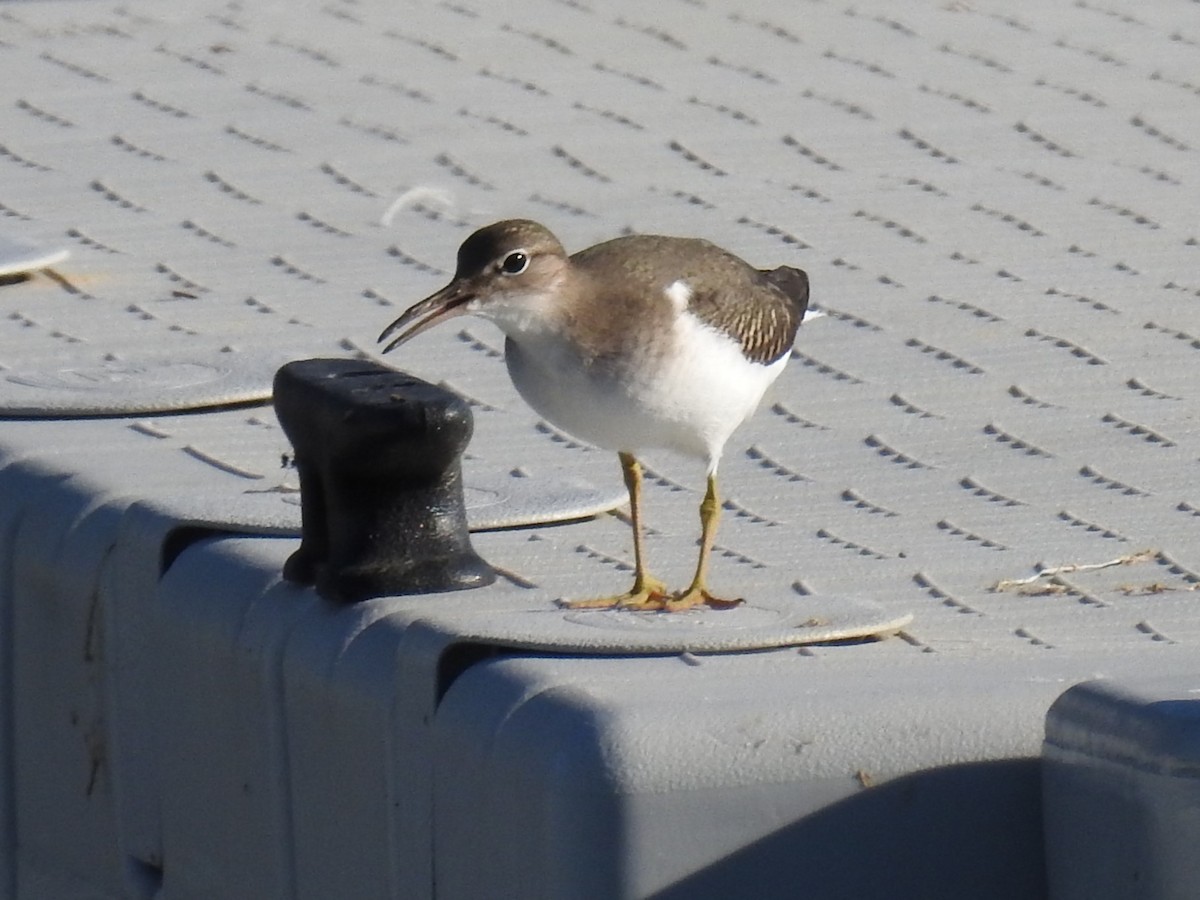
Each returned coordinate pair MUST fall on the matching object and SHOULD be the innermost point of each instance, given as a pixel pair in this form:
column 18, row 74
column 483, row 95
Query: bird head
column 508, row 272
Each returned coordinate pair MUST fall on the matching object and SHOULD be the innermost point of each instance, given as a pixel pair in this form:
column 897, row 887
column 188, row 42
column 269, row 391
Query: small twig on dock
column 1051, row 571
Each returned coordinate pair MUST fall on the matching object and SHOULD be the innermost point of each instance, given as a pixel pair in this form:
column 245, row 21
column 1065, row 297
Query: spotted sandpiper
column 639, row 342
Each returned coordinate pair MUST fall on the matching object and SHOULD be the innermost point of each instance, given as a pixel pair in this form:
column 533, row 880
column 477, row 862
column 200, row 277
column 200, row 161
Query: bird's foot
column 648, row 594
column 696, row 596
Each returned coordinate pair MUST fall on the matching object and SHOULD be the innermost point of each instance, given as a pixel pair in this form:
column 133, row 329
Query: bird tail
column 794, row 284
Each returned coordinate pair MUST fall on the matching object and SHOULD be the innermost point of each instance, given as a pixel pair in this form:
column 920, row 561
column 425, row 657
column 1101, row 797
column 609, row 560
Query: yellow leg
column 647, row 592
column 697, row 593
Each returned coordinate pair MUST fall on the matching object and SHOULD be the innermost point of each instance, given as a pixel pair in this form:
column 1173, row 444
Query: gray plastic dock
column 997, row 207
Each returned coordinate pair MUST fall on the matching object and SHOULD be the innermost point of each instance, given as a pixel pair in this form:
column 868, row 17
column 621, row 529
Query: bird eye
column 515, row 263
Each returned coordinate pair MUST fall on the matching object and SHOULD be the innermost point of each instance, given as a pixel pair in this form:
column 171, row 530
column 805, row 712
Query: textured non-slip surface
column 995, row 429
column 996, row 208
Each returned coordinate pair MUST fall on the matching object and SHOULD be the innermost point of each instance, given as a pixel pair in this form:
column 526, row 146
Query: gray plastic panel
column 1006, row 376
column 996, row 205
column 1121, row 766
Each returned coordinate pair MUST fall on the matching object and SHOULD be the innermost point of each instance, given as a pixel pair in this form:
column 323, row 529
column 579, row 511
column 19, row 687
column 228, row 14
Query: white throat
column 521, row 315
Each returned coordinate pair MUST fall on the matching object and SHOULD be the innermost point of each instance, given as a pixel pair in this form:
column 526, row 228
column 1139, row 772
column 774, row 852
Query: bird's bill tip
column 447, row 303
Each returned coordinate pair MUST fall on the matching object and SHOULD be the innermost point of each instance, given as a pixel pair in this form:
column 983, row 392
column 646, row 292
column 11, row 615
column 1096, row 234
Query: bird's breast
column 685, row 388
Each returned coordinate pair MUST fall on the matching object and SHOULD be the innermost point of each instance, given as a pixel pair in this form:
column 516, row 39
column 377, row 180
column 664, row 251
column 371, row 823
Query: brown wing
column 763, row 316
column 761, row 310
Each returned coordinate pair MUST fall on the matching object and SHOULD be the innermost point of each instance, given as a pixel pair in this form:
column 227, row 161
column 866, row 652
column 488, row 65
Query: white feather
column 680, row 294
column 688, row 395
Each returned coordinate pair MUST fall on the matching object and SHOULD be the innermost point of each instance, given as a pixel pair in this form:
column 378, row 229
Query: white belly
column 689, row 399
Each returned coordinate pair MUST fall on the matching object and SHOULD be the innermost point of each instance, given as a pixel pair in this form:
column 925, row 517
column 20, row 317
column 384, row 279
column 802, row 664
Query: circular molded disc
column 755, row 625
column 19, row 257
column 492, row 498
column 52, row 386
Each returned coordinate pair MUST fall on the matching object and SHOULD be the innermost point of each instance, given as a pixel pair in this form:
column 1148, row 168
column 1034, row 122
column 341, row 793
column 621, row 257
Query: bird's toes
column 592, row 603
column 695, row 597
column 650, row 595
column 653, row 595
